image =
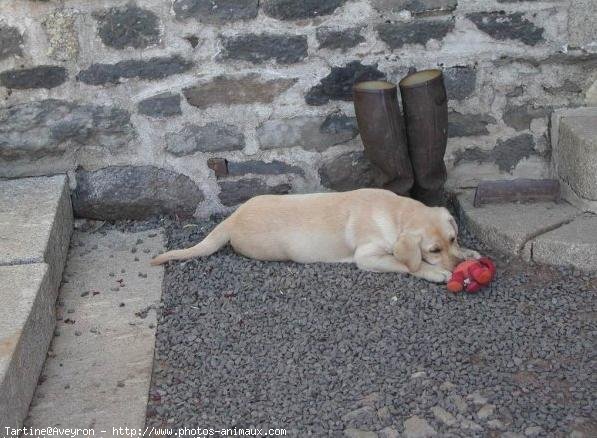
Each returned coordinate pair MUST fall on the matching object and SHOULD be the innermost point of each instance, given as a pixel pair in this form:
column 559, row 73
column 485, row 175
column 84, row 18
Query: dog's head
column 432, row 238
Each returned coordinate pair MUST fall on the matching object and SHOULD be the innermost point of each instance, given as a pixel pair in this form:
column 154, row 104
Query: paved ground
column 328, row 350
column 98, row 369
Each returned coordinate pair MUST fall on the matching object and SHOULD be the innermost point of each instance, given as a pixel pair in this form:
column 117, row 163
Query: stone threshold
column 550, row 233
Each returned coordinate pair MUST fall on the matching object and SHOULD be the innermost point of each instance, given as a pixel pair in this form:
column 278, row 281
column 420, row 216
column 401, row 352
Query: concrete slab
column 507, row 227
column 98, row 370
column 574, row 156
column 36, row 221
column 26, row 326
column 573, row 244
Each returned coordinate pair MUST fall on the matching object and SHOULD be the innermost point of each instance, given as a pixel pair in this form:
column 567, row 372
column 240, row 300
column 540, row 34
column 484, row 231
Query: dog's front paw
column 471, row 254
column 437, row 275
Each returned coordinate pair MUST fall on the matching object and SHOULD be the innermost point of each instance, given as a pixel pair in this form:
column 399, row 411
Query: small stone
column 298, row 10
column 285, row 49
column 128, row 26
column 330, row 38
column 470, row 425
column 94, row 330
column 148, row 69
column 447, row 386
column 77, row 333
column 418, row 375
column 70, row 311
column 533, row 431
column 121, row 305
column 416, row 427
column 212, row 137
column 43, row 76
column 512, row 26
column 133, row 250
column 357, row 433
column 388, row 432
column 142, row 275
column 224, row 90
column 338, row 84
column 161, row 105
column 111, row 274
column 275, row 167
column 84, row 294
column 147, row 250
column 465, row 125
column 136, row 259
column 235, row 192
column 151, row 326
column 120, row 384
column 495, row 424
column 11, row 42
column 460, row 81
column 384, row 415
column 459, row 403
column 215, row 11
column 396, row 35
column 485, row 412
column 350, row 171
column 477, row 398
column 444, row 416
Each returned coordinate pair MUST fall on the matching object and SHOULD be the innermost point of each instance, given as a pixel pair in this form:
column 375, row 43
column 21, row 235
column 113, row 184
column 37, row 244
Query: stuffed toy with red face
column 472, row 275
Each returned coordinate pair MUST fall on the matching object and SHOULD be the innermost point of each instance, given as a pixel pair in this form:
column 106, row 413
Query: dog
column 376, row 229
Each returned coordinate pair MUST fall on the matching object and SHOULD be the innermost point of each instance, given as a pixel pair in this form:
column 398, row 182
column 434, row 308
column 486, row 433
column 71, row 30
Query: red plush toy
column 472, row 275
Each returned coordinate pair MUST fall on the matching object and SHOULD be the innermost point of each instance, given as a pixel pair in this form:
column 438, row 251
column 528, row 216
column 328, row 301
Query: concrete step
column 35, row 228
column 98, row 370
column 574, row 156
column 551, row 233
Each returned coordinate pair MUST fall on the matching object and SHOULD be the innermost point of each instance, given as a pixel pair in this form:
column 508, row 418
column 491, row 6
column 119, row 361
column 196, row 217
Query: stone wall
column 166, row 105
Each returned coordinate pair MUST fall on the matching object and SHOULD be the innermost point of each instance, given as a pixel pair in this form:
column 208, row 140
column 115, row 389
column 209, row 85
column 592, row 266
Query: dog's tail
column 219, row 237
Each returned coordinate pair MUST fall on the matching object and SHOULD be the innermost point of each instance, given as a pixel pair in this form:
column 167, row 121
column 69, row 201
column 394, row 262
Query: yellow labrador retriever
column 376, row 229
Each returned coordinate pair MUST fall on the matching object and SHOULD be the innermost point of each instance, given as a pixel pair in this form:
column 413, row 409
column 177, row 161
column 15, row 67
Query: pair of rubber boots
column 411, row 159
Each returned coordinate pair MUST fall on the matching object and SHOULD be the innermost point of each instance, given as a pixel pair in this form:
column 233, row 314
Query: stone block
column 576, row 154
column 60, row 29
column 224, row 90
column 26, row 327
column 350, row 171
column 215, row 11
column 293, row 10
column 466, row 125
column 309, row 133
column 161, row 105
column 416, row 7
column 36, row 223
column 330, row 38
column 285, row 49
column 508, row 227
column 11, row 42
column 134, row 192
column 150, row 69
column 506, row 153
column 508, row 26
column 43, row 76
column 128, row 26
column 212, row 137
column 338, row 84
column 460, row 81
column 256, row 167
column 236, row 192
column 520, row 117
column 572, row 244
column 50, row 127
column 396, row 35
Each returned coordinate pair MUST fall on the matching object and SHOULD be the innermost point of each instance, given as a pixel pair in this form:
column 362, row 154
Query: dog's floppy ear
column 407, row 251
column 450, row 219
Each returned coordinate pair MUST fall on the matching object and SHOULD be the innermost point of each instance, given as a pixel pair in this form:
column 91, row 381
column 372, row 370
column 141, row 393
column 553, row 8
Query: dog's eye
column 434, row 250
column 452, row 239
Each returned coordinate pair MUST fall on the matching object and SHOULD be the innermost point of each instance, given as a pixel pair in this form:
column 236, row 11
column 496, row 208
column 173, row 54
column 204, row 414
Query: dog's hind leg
column 215, row 240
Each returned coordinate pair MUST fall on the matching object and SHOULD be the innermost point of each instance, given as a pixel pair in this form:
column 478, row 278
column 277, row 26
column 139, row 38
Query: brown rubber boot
column 382, row 132
column 426, row 114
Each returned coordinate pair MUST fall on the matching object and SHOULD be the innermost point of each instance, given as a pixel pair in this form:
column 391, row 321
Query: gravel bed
column 329, row 350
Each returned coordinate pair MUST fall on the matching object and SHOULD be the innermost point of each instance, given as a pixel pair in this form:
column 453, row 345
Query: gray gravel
column 328, row 350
